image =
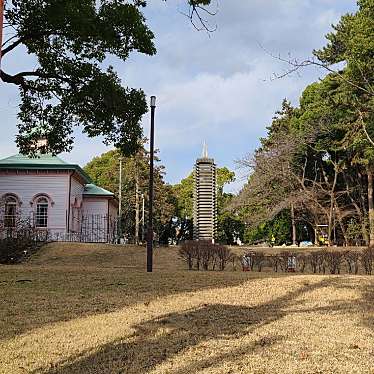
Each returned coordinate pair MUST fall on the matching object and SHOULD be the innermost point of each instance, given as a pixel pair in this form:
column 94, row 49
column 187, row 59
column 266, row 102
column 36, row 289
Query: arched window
column 10, row 211
column 41, row 216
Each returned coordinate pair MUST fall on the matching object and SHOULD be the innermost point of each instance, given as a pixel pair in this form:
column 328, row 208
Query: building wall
column 95, row 206
column 76, row 204
column 27, row 185
column 77, row 189
column 99, row 219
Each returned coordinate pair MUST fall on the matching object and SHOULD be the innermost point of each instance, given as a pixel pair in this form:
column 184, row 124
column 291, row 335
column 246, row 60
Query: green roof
column 92, row 189
column 42, row 162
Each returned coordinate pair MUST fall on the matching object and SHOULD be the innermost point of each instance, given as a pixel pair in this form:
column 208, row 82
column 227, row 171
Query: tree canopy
column 317, row 158
column 104, row 171
column 71, row 83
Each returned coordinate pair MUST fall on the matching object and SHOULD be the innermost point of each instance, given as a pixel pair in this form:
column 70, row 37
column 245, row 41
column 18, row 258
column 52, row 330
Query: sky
column 213, row 87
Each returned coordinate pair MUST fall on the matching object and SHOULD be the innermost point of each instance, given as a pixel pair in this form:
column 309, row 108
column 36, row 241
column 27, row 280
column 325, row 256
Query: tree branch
column 194, row 12
column 19, row 79
column 296, row 66
column 8, row 40
column 12, row 46
column 364, row 128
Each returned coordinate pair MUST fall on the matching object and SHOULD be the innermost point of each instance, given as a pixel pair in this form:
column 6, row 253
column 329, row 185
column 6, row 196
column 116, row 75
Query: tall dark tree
column 70, row 87
column 319, row 157
column 352, row 43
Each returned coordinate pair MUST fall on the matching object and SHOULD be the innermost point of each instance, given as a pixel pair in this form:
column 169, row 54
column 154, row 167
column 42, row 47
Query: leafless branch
column 197, row 20
column 296, row 65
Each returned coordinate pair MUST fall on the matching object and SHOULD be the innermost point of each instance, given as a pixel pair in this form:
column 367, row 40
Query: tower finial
column 205, row 150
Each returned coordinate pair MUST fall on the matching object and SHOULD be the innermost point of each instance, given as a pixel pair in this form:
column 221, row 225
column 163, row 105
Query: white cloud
column 211, row 88
column 210, row 105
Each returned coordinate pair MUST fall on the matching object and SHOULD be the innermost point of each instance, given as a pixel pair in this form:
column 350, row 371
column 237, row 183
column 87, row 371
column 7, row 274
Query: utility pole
column 120, row 201
column 1, row 25
column 150, row 208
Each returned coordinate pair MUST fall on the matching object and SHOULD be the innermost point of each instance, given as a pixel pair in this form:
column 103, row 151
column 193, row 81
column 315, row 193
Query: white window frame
column 42, row 216
column 15, row 204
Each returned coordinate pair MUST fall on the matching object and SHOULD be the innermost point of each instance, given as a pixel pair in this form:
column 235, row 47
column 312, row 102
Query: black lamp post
column 119, row 223
column 150, row 208
column 1, row 24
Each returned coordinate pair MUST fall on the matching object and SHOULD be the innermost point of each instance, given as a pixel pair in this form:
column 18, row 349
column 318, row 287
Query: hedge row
column 317, row 262
column 203, row 255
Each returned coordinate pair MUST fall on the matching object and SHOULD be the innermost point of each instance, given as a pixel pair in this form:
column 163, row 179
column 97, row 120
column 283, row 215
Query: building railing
column 88, row 229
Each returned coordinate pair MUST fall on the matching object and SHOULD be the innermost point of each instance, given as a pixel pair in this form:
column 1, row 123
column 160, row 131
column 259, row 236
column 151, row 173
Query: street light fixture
column 153, row 101
column 150, row 208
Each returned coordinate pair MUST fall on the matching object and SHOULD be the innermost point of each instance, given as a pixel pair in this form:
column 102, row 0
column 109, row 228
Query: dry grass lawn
column 93, row 309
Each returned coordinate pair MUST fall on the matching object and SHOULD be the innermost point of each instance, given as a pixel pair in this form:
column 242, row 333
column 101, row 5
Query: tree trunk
column 294, row 242
column 361, row 212
column 371, row 206
column 316, row 241
column 331, row 212
column 365, row 233
column 341, row 224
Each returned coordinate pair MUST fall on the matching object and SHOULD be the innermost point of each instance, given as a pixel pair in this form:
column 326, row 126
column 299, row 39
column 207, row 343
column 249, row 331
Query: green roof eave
column 40, row 159
column 36, row 166
column 91, row 189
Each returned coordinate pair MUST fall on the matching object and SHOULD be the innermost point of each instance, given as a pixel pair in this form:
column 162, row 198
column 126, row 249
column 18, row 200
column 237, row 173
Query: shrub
column 352, row 260
column 224, row 255
column 235, row 260
column 334, row 260
column 274, row 262
column 204, row 254
column 367, row 259
column 313, row 260
column 321, row 257
column 207, row 255
column 258, row 260
column 187, row 252
column 284, row 256
column 302, row 262
column 18, row 243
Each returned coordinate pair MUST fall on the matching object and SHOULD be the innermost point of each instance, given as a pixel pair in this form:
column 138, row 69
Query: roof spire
column 205, row 150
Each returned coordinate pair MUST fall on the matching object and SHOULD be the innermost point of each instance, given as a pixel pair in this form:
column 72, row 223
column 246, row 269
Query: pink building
column 58, row 197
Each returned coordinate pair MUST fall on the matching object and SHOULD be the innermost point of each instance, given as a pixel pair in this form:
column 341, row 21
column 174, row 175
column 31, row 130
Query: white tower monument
column 205, row 198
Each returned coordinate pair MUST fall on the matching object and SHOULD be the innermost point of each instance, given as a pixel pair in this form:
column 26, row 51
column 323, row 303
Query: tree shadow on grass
column 159, row 339
column 55, row 296
column 368, row 303
column 365, row 305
